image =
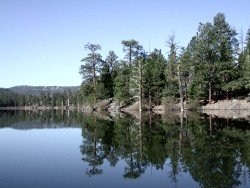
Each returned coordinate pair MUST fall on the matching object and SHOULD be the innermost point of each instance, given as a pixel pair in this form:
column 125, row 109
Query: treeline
column 12, row 99
column 214, row 65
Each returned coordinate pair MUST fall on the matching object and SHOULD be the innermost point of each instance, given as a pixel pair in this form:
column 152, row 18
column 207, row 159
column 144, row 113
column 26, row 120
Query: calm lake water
column 67, row 149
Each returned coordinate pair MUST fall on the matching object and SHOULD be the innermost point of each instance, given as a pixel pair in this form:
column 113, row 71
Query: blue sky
column 42, row 41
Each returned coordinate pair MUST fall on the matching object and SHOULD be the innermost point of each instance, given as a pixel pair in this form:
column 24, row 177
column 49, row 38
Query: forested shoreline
column 215, row 65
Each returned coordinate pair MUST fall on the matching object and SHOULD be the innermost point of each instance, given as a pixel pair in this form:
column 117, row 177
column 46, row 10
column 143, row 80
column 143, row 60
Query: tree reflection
column 91, row 148
column 38, row 119
column 212, row 150
column 212, row 158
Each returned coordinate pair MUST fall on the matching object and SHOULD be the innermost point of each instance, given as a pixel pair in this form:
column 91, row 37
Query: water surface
column 69, row 149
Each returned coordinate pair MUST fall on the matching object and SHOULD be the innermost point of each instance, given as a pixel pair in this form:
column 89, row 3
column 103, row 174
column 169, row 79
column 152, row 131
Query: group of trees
column 10, row 99
column 211, row 67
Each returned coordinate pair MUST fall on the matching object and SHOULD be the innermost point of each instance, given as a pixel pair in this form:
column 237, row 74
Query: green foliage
column 213, row 60
column 121, row 83
column 171, row 87
column 132, row 49
column 246, row 62
column 87, row 92
column 169, row 102
column 193, row 104
column 91, row 67
column 227, row 49
column 105, row 87
column 154, row 77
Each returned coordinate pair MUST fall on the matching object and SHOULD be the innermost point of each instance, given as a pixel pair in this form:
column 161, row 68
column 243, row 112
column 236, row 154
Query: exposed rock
column 87, row 109
column 114, row 107
column 159, row 109
column 228, row 109
column 134, row 106
column 235, row 114
column 102, row 105
column 228, row 105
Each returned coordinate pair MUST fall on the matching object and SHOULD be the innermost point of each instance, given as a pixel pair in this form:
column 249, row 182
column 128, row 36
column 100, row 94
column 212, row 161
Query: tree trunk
column 150, row 120
column 130, row 56
column 140, row 86
column 186, row 97
column 210, row 123
column 149, row 100
column 140, row 134
column 209, row 93
column 94, row 83
column 181, row 128
column 180, row 88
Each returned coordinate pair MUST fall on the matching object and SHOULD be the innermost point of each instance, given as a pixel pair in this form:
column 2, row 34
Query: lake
column 70, row 149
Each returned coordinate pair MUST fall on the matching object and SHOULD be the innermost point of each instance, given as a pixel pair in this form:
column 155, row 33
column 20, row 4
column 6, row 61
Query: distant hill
column 36, row 90
column 3, row 90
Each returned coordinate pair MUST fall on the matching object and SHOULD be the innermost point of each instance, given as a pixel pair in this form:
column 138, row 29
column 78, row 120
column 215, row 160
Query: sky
column 42, row 41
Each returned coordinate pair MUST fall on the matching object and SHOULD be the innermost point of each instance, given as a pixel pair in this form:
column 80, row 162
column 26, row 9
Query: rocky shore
column 233, row 104
column 228, row 109
column 232, row 108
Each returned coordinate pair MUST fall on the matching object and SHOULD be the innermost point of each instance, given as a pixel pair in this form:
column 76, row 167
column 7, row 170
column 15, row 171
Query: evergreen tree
column 241, row 83
column 154, row 77
column 185, row 71
column 132, row 48
column 91, row 66
column 87, row 92
column 246, row 66
column 108, row 74
column 195, row 77
column 105, row 86
column 136, row 86
column 121, row 83
column 171, row 69
column 227, row 48
column 112, row 62
column 206, row 59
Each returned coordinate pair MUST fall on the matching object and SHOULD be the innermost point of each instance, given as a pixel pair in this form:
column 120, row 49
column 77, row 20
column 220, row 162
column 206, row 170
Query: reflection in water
column 214, row 152
column 38, row 119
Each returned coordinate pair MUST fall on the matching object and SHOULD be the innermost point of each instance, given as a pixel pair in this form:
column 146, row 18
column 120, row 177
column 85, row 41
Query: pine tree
column 136, row 81
column 105, row 87
column 121, row 83
column 171, row 69
column 154, row 77
column 132, row 49
column 107, row 76
column 227, row 48
column 184, row 74
column 91, row 66
column 247, row 62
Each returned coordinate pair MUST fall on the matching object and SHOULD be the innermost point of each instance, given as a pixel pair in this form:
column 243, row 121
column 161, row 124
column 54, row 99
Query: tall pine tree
column 91, row 67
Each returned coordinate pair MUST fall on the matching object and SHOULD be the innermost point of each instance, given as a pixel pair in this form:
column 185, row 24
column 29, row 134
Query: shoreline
column 234, row 107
